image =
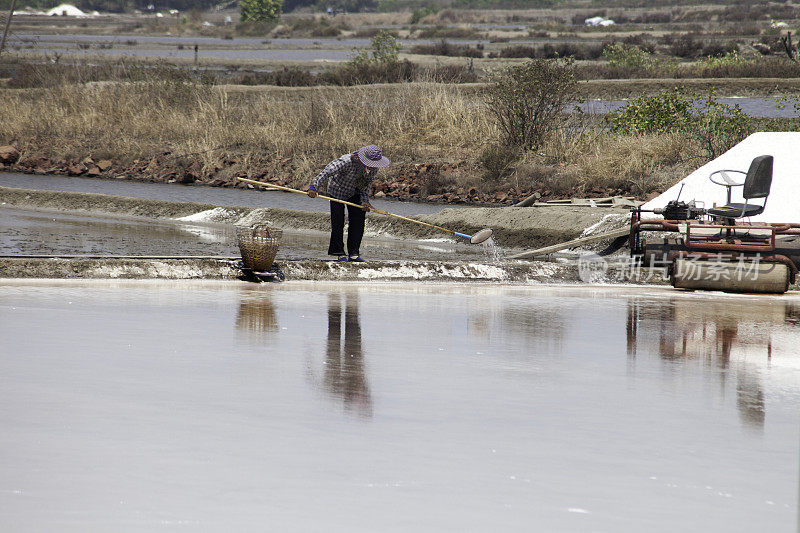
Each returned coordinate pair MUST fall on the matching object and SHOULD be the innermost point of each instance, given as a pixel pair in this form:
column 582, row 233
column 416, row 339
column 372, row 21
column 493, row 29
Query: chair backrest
column 759, row 178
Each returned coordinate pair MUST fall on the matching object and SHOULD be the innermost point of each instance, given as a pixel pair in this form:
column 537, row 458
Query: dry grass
column 574, row 162
column 358, row 20
column 139, row 120
column 419, row 122
column 637, row 163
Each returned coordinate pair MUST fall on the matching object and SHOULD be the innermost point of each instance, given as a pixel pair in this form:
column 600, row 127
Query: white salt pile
column 783, row 203
column 68, row 10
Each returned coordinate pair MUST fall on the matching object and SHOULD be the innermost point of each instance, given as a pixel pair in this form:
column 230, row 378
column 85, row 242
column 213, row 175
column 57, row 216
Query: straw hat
column 371, row 156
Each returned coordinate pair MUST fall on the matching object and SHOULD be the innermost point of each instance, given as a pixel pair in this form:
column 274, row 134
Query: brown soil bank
column 518, row 227
column 406, row 182
column 439, row 136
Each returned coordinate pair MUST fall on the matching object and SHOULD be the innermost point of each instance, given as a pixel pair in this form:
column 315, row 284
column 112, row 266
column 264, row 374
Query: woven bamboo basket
column 258, row 244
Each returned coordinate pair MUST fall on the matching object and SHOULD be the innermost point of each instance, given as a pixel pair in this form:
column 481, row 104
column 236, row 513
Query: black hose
column 615, row 245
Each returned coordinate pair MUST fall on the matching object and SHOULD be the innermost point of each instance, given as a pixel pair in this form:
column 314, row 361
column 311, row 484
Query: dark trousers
column 344, row 375
column 355, row 227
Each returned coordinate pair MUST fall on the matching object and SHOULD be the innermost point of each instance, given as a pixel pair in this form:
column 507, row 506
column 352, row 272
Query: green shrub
column 724, row 61
column 624, row 56
column 715, row 126
column 260, row 10
column 660, row 113
column 383, row 49
column 719, row 126
column 527, row 100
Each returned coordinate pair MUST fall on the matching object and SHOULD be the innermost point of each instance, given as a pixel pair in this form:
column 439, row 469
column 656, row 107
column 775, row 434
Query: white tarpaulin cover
column 783, row 203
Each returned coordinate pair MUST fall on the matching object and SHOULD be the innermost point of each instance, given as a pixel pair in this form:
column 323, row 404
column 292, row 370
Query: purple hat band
column 371, row 156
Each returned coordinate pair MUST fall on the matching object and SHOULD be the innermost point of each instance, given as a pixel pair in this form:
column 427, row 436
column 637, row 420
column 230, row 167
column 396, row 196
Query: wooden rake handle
column 289, row 189
column 345, row 202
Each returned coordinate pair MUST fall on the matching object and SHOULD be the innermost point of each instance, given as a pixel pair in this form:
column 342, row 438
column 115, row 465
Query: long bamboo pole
column 345, row 202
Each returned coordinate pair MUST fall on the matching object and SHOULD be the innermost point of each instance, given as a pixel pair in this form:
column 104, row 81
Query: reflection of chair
column 757, row 182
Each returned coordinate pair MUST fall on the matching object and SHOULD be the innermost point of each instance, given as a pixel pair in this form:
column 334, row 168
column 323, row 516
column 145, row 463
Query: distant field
column 683, row 31
column 128, row 88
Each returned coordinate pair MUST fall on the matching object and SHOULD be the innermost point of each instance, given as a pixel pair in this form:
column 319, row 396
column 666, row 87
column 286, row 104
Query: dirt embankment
column 98, row 203
column 435, row 183
column 428, row 182
column 454, row 181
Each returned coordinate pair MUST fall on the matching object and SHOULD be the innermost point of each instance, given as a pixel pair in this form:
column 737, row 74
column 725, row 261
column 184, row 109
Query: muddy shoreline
column 516, row 272
column 515, row 229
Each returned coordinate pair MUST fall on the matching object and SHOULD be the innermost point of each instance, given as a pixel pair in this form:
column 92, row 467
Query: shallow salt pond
column 32, row 232
column 220, row 406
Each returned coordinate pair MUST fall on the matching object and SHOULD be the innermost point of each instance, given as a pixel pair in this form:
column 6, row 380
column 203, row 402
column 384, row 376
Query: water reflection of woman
column 344, row 375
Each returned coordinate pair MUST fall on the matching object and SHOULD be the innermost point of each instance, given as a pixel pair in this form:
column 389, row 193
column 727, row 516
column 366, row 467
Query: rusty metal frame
column 725, row 244
column 655, row 224
column 729, row 241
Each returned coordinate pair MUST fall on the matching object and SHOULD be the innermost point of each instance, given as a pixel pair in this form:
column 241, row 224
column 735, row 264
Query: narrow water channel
column 173, row 192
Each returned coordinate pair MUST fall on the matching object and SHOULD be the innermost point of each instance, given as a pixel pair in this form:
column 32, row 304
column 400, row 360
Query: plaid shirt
column 345, row 177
